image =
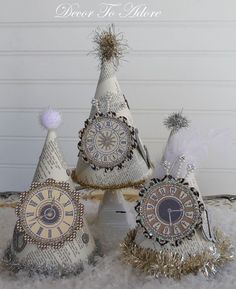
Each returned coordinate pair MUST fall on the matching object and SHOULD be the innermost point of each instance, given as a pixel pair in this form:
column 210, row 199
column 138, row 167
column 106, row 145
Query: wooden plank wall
column 185, row 58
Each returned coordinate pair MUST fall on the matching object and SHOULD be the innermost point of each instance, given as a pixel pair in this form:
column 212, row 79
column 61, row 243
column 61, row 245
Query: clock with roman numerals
column 169, row 210
column 49, row 214
column 107, row 141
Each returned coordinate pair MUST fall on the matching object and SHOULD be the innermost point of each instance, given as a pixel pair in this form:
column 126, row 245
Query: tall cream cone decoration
column 175, row 235
column 51, row 235
column 111, row 155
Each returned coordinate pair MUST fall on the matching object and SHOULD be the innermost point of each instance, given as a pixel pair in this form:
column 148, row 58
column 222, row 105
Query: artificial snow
column 109, row 272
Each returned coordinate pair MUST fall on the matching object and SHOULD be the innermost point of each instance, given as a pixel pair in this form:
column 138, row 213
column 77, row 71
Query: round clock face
column 50, row 215
column 107, row 141
column 169, row 211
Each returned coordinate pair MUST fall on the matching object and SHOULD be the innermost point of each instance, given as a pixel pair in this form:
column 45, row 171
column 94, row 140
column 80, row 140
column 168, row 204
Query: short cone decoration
column 51, row 235
column 111, row 154
column 174, row 236
column 51, row 161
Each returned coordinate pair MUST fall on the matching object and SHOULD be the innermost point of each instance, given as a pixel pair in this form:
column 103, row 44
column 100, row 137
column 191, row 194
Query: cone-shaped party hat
column 51, row 161
column 51, row 235
column 174, row 236
column 111, row 153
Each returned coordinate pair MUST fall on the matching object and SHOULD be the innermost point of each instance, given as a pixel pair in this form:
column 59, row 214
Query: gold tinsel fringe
column 110, row 46
column 173, row 265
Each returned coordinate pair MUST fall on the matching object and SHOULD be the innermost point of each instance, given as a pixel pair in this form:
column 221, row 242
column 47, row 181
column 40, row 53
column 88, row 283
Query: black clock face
column 49, row 215
column 169, row 210
column 107, row 141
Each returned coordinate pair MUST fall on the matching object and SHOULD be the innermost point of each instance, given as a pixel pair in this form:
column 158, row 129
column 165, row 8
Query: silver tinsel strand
column 176, row 121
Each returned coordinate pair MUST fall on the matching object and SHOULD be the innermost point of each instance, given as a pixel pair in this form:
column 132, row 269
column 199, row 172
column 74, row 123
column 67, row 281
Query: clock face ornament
column 169, row 210
column 49, row 214
column 107, row 141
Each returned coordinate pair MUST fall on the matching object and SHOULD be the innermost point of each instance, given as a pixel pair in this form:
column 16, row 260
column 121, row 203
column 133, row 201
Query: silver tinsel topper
column 176, row 121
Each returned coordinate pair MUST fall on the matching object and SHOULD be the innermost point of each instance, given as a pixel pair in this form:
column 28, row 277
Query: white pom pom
column 50, row 119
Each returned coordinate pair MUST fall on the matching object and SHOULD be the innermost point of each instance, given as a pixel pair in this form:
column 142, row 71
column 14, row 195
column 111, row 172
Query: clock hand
column 169, row 213
column 36, row 218
column 180, row 210
column 52, row 202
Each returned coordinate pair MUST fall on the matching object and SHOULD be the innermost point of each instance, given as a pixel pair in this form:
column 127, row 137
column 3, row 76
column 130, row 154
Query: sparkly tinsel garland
column 173, row 265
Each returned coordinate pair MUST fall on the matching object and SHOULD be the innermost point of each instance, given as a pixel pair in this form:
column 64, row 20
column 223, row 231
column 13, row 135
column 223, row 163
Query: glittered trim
column 173, row 265
column 110, row 187
column 10, row 263
column 132, row 143
column 20, row 213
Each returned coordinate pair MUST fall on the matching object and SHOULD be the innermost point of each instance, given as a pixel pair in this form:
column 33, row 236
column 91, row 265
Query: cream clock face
column 49, row 215
column 169, row 211
column 107, row 141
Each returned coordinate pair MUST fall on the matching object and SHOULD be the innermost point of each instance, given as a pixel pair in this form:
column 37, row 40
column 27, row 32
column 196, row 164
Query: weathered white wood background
column 185, row 58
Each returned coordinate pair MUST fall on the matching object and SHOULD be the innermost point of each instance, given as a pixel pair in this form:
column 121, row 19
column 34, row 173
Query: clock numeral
column 114, row 157
column 105, row 158
column 59, row 198
column 123, row 142
column 189, row 215
column 183, row 195
column 49, row 233
column 108, row 123
column 151, row 217
column 166, row 231
column 184, row 224
column 92, row 132
column 29, row 214
column 150, row 206
column 67, row 203
column 154, row 197
column 89, row 140
column 32, row 224
column 66, row 223
column 162, row 191
column 122, row 133
column 115, row 126
column 96, row 155
column 59, row 230
column 98, row 126
column 69, row 213
column 173, row 190
column 188, row 204
column 177, row 230
column 156, row 226
column 33, row 203
column 49, row 194
column 39, row 232
column 91, row 148
column 120, row 151
column 40, row 196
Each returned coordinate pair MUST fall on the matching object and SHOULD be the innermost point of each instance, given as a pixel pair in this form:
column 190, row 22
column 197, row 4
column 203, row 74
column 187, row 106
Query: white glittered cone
column 70, row 258
column 206, row 249
column 179, row 159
